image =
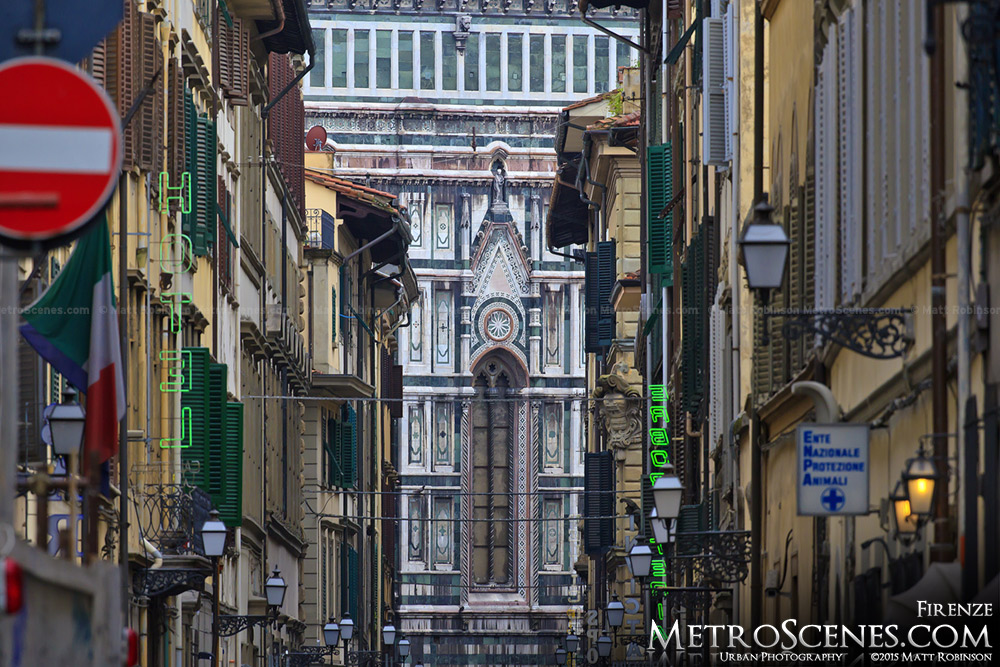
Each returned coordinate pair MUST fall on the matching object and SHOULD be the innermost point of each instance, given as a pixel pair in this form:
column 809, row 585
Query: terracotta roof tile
column 378, row 198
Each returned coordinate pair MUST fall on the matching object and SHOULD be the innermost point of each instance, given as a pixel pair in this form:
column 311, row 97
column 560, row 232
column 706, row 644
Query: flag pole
column 123, row 426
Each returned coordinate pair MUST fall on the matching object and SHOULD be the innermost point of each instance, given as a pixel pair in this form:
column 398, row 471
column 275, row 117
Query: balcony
column 170, row 516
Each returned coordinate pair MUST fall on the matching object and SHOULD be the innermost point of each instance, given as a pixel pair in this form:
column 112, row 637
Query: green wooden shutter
column 694, row 319
column 591, row 301
column 352, row 578
column 194, row 401
column 349, row 446
column 331, row 456
column 216, row 432
column 599, row 480
column 345, row 579
column 231, row 506
column 659, row 193
column 205, row 197
column 606, row 273
column 191, row 164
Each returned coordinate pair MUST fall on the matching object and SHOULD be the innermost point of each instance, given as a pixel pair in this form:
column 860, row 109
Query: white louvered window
column 728, row 74
column 826, row 176
column 714, row 126
column 897, row 135
column 717, row 360
column 849, row 137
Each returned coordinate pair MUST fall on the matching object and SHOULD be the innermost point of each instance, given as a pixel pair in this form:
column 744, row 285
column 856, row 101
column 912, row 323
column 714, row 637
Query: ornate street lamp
column 404, row 648
column 879, row 333
column 764, row 250
column 639, row 560
column 906, row 522
column 920, row 478
column 274, row 589
column 615, row 612
column 213, row 535
column 389, row 634
column 604, row 645
column 346, row 628
column 561, row 656
column 331, row 633
column 572, row 643
column 661, row 527
column 667, row 494
column 66, row 424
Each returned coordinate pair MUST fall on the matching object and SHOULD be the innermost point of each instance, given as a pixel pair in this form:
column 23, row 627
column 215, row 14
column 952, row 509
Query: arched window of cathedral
column 494, row 431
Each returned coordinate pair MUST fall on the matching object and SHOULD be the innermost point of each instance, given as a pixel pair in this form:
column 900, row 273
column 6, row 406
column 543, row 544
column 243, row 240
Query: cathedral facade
column 455, row 111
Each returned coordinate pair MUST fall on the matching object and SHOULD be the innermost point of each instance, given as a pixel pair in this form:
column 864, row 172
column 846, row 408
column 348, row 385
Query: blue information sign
column 832, row 469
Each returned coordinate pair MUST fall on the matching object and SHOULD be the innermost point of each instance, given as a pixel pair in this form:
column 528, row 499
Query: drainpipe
column 756, row 456
column 941, row 547
column 968, row 523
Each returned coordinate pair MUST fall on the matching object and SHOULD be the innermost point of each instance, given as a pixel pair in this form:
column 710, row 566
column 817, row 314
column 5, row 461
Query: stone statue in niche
column 499, row 183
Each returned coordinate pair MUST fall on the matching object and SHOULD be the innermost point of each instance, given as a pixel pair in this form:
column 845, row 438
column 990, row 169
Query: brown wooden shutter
column 225, row 56
column 241, row 67
column 176, row 157
column 125, row 78
column 150, row 115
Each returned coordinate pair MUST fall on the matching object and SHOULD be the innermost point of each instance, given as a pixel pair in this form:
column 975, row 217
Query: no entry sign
column 60, row 150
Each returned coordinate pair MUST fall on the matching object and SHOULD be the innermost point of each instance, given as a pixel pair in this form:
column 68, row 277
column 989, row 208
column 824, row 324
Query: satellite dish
column 316, row 138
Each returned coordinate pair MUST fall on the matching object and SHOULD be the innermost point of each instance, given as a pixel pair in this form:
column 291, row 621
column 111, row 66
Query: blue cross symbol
column 833, row 499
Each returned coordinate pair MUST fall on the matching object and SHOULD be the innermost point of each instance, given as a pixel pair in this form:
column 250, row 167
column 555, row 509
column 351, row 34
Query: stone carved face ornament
column 619, row 408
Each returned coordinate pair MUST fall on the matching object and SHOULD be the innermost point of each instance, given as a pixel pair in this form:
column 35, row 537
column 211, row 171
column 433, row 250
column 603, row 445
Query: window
column 514, row 62
column 624, row 58
column 494, row 429
column 493, row 61
column 580, row 65
column 449, row 63
column 558, row 63
column 362, row 45
column 316, row 76
column 601, row 64
column 427, row 60
column 536, row 63
column 405, row 50
column 338, row 59
column 472, row 63
column 383, row 58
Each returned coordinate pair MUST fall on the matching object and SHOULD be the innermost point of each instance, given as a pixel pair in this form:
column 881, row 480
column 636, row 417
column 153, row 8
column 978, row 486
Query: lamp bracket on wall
column 878, row 333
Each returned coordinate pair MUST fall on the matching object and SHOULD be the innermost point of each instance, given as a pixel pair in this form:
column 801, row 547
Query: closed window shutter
column 195, row 403
column 659, row 193
column 216, row 432
column 30, row 369
column 225, row 56
column 335, row 307
column 331, row 454
column 599, row 502
column 176, row 127
column 125, row 79
column 826, row 179
column 345, row 579
column 714, row 124
column 239, row 44
column 396, row 383
column 728, row 75
column 189, row 220
column 353, row 581
column 231, row 505
column 150, row 115
column 592, row 296
column 349, row 446
column 606, row 275
column 849, row 132
column 206, row 197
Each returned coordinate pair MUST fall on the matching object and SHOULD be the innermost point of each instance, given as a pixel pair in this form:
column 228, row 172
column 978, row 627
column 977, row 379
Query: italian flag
column 74, row 327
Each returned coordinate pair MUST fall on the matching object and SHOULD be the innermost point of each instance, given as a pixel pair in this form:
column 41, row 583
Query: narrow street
column 499, row 332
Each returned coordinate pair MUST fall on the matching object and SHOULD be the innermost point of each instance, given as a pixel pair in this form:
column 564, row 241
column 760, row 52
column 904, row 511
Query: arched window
column 494, row 431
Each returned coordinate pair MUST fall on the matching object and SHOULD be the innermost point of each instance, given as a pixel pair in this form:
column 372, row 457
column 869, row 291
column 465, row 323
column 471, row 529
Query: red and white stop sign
column 60, row 150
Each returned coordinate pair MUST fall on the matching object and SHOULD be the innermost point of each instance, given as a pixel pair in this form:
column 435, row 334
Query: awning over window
column 569, row 215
